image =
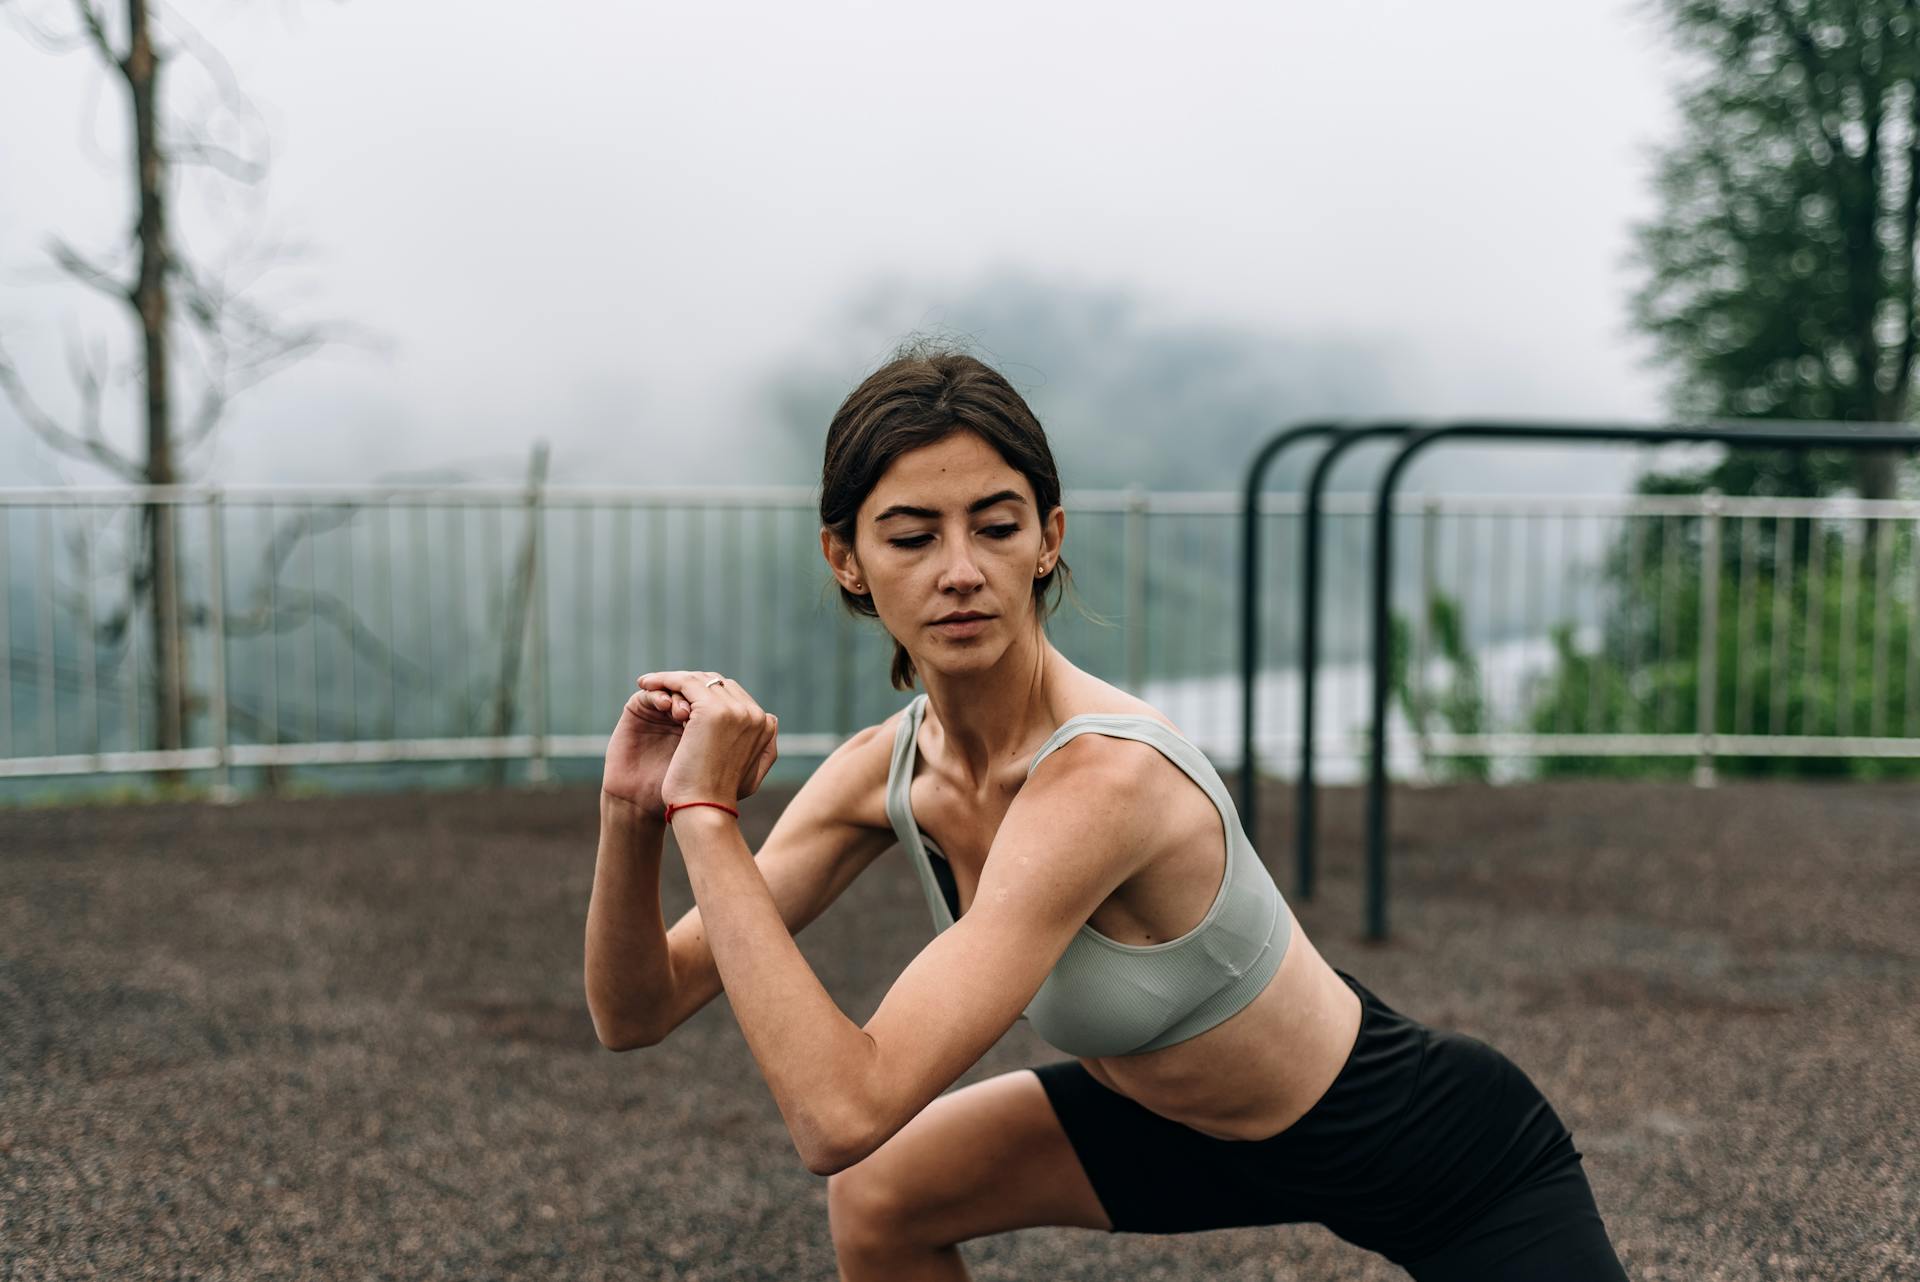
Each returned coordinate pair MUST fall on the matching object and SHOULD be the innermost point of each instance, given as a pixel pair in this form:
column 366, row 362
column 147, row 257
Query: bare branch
column 298, row 606
column 97, row 32
column 206, row 416
column 199, row 150
column 74, row 264
column 240, row 344
column 55, row 42
column 90, row 373
column 292, row 606
column 92, row 447
column 213, row 156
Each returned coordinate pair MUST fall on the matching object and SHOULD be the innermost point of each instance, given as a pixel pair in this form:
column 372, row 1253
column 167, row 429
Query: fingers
column 769, row 753
column 686, row 687
column 666, row 701
column 696, row 686
column 641, row 706
column 690, row 683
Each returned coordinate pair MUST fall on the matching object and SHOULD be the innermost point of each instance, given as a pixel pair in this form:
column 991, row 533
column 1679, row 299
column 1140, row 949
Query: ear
column 842, row 561
column 1053, row 533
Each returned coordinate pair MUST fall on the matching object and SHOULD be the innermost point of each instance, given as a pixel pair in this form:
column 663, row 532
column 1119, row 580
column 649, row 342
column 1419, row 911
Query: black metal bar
column 1250, row 608
column 1846, row 436
column 1306, row 813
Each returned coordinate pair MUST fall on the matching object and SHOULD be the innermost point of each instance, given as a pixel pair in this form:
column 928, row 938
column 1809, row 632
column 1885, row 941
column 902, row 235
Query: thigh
column 1548, row 1229
column 984, row 1159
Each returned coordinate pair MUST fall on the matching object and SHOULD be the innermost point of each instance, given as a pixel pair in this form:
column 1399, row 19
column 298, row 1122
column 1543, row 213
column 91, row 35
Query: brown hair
column 921, row 396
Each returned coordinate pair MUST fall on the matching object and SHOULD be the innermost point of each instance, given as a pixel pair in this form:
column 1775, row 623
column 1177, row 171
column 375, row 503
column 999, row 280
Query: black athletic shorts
column 1430, row 1148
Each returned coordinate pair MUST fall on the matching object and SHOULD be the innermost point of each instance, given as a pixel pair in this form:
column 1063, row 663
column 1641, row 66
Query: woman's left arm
column 1079, row 827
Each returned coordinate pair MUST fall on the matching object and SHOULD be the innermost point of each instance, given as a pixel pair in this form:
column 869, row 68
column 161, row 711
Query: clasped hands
column 688, row 736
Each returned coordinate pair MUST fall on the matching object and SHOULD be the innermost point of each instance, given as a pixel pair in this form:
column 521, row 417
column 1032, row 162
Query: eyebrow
column 978, row 505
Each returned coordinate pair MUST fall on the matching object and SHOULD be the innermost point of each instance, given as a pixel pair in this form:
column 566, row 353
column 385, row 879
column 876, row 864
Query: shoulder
column 1107, row 778
column 1090, row 753
column 1126, row 782
column 1085, row 821
column 871, row 745
column 850, row 783
column 1093, row 751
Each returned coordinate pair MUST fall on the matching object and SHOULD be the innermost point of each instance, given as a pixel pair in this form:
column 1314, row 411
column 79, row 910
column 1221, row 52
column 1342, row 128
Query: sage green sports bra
column 1107, row 998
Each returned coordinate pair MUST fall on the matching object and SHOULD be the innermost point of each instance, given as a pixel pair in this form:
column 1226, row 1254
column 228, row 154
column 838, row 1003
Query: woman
column 1085, row 868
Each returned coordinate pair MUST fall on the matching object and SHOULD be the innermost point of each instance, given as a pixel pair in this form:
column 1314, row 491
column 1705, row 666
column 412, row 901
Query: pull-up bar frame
column 1853, row 437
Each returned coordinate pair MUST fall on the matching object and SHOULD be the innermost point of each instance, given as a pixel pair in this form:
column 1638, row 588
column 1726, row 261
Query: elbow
column 828, row 1148
column 832, row 1158
column 626, row 1037
column 622, row 1023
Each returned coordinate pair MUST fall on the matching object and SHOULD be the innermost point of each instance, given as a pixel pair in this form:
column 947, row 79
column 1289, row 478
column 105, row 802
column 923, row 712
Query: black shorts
column 1430, row 1148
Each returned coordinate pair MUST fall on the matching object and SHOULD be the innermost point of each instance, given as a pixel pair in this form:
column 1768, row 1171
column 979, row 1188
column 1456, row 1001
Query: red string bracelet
column 718, row 805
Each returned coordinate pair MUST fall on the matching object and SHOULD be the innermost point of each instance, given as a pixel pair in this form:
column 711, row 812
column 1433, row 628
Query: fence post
column 6, row 633
column 223, row 791
column 1709, row 667
column 1136, row 578
column 1422, row 657
column 537, row 768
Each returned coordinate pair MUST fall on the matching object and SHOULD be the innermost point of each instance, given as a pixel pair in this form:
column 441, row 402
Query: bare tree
column 230, row 342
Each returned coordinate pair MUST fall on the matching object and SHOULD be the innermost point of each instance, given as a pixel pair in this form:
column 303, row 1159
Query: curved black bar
column 1847, row 436
column 1250, row 607
column 1306, row 818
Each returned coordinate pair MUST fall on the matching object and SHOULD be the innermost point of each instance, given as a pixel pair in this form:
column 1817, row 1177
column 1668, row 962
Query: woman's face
column 951, row 529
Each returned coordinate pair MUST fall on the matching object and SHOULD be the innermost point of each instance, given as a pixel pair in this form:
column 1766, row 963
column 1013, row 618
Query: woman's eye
column 921, row 540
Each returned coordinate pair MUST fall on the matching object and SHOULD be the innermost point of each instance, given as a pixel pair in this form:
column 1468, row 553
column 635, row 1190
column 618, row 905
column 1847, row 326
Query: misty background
column 668, row 240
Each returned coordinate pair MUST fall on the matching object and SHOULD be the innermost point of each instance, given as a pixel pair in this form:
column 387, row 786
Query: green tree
column 1780, row 266
column 1819, row 659
column 1779, row 283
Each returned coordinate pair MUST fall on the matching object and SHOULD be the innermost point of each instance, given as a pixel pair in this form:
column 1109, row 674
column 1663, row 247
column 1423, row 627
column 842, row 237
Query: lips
column 962, row 627
column 968, row 617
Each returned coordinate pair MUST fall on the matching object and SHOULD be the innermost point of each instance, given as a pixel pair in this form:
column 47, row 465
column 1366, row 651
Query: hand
column 641, row 748
column 727, row 741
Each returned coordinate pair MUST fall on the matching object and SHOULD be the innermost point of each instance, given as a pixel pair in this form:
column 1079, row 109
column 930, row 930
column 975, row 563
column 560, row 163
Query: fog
column 667, row 239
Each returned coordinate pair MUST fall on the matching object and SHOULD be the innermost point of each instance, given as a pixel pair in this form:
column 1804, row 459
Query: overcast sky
column 598, row 224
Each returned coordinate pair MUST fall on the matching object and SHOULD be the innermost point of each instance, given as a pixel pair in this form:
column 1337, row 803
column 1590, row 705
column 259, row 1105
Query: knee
column 867, row 1210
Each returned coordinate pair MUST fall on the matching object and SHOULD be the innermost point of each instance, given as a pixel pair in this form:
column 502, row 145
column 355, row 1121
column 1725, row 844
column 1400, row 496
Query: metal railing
column 328, row 626
column 1804, row 644
column 1853, row 438
column 332, row 626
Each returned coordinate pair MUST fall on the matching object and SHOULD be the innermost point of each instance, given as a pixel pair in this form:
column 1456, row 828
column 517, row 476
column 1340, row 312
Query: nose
column 960, row 574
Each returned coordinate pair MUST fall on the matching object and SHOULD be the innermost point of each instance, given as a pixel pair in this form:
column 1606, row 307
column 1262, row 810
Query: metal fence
column 1696, row 626
column 411, row 624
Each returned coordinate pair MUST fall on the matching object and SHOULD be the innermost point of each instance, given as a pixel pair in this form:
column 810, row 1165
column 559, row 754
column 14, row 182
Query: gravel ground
column 345, row 1038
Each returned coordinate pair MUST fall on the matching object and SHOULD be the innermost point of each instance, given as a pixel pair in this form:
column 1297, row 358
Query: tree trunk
column 150, row 303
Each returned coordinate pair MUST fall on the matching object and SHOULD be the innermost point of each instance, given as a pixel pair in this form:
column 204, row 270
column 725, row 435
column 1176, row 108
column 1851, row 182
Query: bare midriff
column 1261, row 1070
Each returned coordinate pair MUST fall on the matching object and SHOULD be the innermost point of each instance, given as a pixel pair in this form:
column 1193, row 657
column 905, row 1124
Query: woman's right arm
column 644, row 980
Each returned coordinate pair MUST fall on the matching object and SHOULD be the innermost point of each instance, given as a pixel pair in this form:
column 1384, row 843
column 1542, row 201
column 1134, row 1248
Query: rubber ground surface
column 345, row 1038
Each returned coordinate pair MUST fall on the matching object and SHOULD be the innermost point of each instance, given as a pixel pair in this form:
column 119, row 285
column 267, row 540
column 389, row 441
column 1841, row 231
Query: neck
column 993, row 716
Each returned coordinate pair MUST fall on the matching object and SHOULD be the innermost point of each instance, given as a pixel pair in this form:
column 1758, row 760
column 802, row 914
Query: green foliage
column 1780, row 265
column 1794, row 620
column 1459, row 705
column 1779, row 283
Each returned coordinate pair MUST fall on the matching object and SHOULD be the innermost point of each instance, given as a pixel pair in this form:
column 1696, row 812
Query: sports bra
column 1104, row 997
